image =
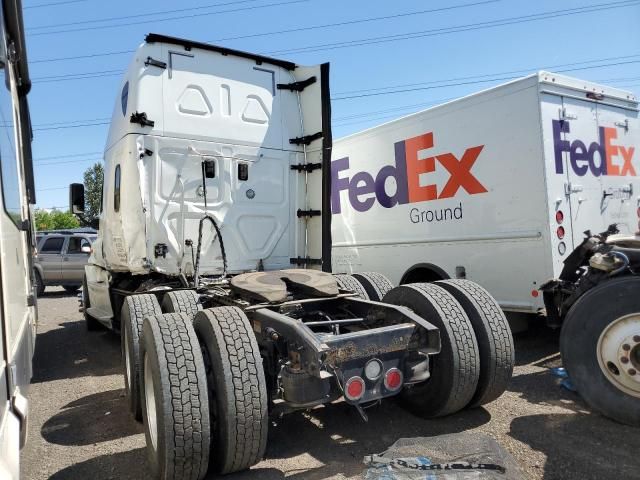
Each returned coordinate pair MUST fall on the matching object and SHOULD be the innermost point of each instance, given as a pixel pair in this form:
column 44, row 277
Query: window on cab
column 116, row 190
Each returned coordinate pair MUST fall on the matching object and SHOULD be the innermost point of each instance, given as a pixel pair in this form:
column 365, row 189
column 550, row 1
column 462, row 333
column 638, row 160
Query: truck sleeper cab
column 213, row 262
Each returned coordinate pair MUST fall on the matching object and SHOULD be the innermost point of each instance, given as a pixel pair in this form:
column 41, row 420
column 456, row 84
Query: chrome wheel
column 618, row 352
column 150, row 402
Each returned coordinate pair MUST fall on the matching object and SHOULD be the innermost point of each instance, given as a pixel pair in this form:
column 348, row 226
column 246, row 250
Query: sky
column 388, row 59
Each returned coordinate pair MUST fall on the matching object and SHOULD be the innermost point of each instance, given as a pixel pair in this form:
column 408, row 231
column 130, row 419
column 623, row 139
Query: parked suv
column 60, row 258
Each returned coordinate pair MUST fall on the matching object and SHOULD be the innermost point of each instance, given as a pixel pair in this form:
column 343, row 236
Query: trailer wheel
column 237, row 388
column 600, row 347
column 456, row 369
column 181, row 301
column 348, row 282
column 375, row 284
column 495, row 342
column 91, row 323
column 39, row 284
column 134, row 309
column 175, row 406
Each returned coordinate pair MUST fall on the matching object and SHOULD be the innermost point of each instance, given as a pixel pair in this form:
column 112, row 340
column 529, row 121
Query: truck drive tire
column 348, row 282
column 237, row 388
column 181, row 301
column 495, row 342
column 600, row 347
column 175, row 403
column 91, row 323
column 456, row 369
column 134, row 309
column 375, row 284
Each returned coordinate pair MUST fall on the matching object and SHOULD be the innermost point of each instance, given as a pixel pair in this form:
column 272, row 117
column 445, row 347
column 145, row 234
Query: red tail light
column 559, row 216
column 560, row 232
column 393, row 379
column 354, row 388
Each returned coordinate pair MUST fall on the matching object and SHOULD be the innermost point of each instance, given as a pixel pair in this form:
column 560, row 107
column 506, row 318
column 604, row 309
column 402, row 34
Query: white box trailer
column 497, row 187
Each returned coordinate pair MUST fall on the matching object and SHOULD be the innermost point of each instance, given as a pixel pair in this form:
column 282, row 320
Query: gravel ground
column 80, row 429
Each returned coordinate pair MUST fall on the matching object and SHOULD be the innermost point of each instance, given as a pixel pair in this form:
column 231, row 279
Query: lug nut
column 626, row 347
column 632, row 372
column 636, row 338
column 624, row 359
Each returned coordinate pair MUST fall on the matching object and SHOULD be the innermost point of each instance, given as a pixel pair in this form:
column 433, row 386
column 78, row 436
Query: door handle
column 570, row 188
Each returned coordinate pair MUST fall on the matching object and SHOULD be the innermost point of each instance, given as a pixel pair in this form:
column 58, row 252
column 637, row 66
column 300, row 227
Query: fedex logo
column 613, row 159
column 363, row 189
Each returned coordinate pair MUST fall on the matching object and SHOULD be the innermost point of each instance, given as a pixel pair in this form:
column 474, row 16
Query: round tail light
column 560, row 232
column 559, row 216
column 393, row 379
column 562, row 248
column 373, row 369
column 354, row 389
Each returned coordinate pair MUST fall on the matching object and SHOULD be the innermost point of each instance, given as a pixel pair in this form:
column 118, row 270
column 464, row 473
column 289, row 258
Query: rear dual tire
column 456, row 369
column 476, row 361
column 237, row 388
column 181, row 301
column 175, row 402
column 134, row 310
column 375, row 284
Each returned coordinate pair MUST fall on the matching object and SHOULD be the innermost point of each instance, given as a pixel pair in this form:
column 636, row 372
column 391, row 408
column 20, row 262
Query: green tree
column 54, row 220
column 93, row 178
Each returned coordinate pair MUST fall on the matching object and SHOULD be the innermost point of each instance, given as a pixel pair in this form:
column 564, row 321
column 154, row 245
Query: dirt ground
column 80, row 429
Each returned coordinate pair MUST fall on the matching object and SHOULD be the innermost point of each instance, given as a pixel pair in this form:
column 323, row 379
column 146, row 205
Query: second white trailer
column 497, row 187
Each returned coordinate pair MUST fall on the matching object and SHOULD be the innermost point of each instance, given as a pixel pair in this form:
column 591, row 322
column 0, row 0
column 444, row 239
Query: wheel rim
column 127, row 360
column 150, row 401
column 619, row 353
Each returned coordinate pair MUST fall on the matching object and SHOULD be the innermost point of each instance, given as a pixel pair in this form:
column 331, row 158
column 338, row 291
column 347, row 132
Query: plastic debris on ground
column 457, row 456
column 566, row 382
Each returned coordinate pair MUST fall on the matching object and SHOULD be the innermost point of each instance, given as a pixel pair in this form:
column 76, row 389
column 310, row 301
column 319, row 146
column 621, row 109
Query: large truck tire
column 456, row 369
column 237, row 388
column 181, row 301
column 91, row 323
column 39, row 283
column 348, row 282
column 495, row 342
column 176, row 404
column 375, row 284
column 600, row 347
column 134, row 309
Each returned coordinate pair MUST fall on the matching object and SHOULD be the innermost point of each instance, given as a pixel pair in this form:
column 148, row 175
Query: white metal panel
column 218, row 98
column 460, row 185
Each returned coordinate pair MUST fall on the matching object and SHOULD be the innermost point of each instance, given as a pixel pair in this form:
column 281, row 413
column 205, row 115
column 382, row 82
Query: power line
column 457, row 84
column 441, row 31
column 458, row 28
column 52, row 4
column 81, row 154
column 71, row 126
column 180, row 17
column 352, row 22
column 128, row 17
column 479, row 76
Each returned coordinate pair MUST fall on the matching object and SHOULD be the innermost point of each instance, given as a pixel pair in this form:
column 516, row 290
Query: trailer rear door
column 598, row 143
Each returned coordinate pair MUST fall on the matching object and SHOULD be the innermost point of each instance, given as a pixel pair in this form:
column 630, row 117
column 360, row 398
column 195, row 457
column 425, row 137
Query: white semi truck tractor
column 17, row 241
column 213, row 261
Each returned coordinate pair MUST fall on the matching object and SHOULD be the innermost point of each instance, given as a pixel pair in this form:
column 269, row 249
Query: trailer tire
column 375, row 284
column 600, row 328
column 134, row 309
column 39, row 284
column 175, row 401
column 181, row 301
column 91, row 323
column 495, row 341
column 237, row 388
column 456, row 369
column 348, row 282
